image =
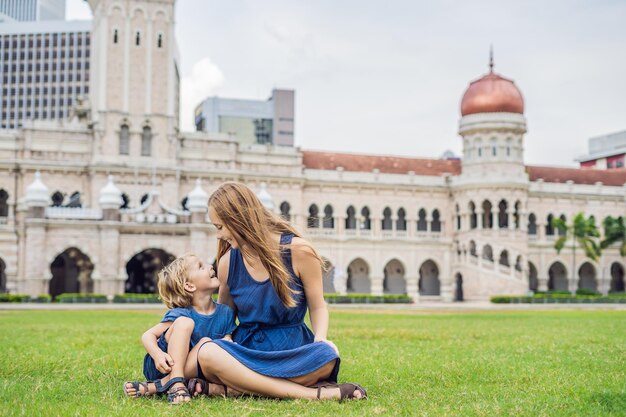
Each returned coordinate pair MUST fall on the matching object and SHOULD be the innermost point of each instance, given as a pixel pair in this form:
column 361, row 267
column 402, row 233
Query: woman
column 269, row 275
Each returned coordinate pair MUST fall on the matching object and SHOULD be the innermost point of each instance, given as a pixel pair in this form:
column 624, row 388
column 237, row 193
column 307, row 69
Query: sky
column 387, row 77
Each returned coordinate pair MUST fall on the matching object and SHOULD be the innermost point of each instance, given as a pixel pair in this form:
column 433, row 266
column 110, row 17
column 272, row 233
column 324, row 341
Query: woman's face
column 223, row 233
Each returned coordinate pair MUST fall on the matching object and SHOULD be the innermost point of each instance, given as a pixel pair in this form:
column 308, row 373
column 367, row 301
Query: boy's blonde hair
column 171, row 283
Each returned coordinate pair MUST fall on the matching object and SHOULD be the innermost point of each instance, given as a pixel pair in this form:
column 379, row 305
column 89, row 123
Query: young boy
column 186, row 287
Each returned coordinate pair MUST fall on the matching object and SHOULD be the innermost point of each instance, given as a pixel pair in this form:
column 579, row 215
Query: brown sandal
column 204, row 385
column 346, row 391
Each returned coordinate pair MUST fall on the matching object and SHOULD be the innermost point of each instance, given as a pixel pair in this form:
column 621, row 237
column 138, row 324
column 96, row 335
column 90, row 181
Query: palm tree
column 614, row 232
column 582, row 230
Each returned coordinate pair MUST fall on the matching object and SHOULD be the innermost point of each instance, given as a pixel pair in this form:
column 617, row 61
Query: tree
column 582, row 231
column 614, row 232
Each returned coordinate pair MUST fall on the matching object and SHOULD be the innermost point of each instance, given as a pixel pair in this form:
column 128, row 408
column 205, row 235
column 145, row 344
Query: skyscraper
column 31, row 10
column 44, row 67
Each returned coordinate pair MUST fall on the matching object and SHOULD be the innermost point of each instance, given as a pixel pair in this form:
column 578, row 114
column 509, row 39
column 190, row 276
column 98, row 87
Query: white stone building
column 430, row 228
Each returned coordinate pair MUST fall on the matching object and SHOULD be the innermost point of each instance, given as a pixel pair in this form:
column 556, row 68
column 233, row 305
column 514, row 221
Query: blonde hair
column 252, row 225
column 171, row 282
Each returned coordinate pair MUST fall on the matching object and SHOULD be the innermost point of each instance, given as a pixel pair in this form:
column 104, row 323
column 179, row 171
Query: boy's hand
column 164, row 363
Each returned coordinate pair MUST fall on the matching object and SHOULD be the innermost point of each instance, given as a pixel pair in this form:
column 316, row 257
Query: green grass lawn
column 540, row 363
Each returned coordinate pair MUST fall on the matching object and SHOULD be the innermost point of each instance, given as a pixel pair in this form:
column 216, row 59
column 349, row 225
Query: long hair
column 252, row 225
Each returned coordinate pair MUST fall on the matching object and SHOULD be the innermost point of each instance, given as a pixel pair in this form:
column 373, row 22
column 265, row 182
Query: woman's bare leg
column 216, row 388
column 218, row 363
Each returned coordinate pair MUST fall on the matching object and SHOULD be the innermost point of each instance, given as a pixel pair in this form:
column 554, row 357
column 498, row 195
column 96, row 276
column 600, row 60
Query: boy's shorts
column 149, row 367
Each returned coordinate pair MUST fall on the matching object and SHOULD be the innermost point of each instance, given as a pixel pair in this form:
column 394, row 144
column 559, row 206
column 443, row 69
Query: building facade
column 45, row 70
column 250, row 121
column 606, row 152
column 100, row 201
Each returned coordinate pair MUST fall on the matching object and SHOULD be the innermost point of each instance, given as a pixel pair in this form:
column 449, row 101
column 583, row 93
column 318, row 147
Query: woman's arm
column 307, row 266
column 223, row 296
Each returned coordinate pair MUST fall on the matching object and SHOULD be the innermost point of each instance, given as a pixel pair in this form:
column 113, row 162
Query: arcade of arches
column 142, row 270
column 71, row 273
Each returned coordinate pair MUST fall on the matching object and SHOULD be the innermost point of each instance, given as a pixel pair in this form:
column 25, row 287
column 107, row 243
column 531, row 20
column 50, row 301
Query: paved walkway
column 429, row 306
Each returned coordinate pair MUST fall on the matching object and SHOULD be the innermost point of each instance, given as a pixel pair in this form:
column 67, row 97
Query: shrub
column 14, row 298
column 367, row 299
column 137, row 298
column 81, row 298
column 585, row 291
column 41, row 298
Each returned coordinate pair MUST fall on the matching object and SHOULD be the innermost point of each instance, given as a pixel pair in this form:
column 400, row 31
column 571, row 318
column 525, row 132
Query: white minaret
column 134, row 86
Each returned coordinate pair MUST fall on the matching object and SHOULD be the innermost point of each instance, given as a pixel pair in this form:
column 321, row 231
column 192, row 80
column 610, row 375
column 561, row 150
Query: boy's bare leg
column 177, row 337
column 217, row 363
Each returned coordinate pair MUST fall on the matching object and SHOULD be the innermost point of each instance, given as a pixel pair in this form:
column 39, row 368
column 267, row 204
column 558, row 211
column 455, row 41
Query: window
column 137, row 38
column 387, row 222
column 284, row 210
column 351, row 218
column 160, row 40
column 4, row 207
column 328, row 222
column 401, row 221
column 115, row 36
column 313, row 220
column 124, row 140
column 146, row 141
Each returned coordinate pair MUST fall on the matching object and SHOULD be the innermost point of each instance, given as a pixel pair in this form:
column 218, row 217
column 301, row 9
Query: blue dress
column 215, row 325
column 272, row 339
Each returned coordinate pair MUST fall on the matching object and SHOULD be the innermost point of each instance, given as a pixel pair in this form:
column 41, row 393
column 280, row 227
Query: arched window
column 387, row 222
column 75, row 200
column 532, row 224
column 435, row 224
column 146, row 141
column 350, row 218
column 124, row 139
column 488, row 253
column 549, row 227
column 57, row 199
column 563, row 232
column 284, row 211
column 503, row 217
column 473, row 251
column 458, row 217
column 160, row 40
column 401, row 222
column 115, row 36
column 126, row 201
column 367, row 223
column 487, row 217
column 313, row 221
column 4, row 206
column 473, row 215
column 516, row 214
column 329, row 221
column 518, row 263
column 137, row 38
column 504, row 258
column 421, row 221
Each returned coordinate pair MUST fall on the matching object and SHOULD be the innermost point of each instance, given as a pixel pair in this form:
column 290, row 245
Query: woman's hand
column 164, row 363
column 328, row 342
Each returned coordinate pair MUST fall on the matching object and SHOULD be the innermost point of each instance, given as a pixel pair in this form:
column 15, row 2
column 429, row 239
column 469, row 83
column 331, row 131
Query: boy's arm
column 162, row 360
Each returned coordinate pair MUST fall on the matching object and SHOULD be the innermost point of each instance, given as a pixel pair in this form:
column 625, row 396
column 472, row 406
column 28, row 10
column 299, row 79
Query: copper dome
column 490, row 94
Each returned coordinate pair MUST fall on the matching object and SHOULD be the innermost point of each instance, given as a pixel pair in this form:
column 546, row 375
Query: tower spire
column 491, row 59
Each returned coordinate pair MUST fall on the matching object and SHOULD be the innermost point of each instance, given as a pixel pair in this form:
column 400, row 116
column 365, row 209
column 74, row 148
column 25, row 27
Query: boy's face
column 201, row 275
column 223, row 233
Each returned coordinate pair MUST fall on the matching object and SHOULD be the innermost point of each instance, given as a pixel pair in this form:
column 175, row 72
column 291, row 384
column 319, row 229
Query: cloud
column 205, row 79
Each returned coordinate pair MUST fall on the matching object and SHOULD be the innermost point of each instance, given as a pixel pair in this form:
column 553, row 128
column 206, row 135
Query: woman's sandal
column 204, row 385
column 346, row 391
